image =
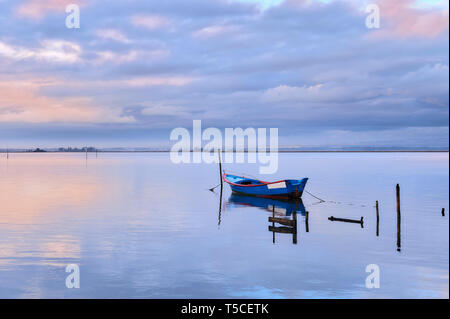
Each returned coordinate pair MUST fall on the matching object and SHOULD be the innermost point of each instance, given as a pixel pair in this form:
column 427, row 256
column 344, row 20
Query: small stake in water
column 399, row 219
column 345, row 220
column 443, row 212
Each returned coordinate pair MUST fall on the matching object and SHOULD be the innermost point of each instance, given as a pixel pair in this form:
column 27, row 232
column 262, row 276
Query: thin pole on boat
column 399, row 218
column 378, row 219
column 220, row 171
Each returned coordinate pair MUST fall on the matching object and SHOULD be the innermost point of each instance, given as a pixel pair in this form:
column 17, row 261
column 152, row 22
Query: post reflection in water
column 284, row 212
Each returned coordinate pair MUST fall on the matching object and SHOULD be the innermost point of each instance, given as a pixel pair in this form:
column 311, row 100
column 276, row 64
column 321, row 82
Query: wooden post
column 399, row 219
column 378, row 219
column 283, row 221
column 443, row 212
column 354, row 221
column 307, row 222
column 7, row 153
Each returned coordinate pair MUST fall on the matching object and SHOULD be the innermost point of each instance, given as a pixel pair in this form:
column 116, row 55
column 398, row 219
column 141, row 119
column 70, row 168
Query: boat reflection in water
column 281, row 207
column 284, row 212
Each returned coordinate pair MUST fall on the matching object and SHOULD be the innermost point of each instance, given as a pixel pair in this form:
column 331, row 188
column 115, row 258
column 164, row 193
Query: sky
column 135, row 70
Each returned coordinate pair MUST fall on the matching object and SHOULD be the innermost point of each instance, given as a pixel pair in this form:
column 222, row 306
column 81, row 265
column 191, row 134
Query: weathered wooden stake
column 443, row 212
column 282, row 221
column 378, row 219
column 399, row 219
column 307, row 222
column 335, row 219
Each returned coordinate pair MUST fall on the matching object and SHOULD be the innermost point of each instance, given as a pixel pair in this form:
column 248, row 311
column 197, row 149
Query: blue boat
column 286, row 188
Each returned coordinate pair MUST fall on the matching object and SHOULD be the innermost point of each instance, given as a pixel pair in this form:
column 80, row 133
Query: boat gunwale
column 262, row 182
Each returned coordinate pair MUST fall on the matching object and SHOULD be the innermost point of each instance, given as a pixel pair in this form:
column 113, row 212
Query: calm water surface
column 141, row 227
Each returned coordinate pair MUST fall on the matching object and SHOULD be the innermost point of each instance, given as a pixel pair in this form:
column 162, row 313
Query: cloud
column 20, row 101
column 151, row 81
column 402, row 18
column 213, row 31
column 298, row 65
column 49, row 51
column 151, row 22
column 37, row 9
column 164, row 110
column 112, row 34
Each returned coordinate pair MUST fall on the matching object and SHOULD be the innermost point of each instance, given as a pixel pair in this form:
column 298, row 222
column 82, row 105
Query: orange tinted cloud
column 401, row 18
column 21, row 101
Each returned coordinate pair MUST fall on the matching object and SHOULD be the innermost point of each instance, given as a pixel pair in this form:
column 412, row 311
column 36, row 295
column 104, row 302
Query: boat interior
column 243, row 180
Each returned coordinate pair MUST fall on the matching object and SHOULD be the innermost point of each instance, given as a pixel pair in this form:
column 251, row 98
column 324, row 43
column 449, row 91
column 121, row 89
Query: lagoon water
column 140, row 226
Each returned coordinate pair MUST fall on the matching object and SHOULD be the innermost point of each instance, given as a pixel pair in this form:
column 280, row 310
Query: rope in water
column 321, row 200
column 212, row 189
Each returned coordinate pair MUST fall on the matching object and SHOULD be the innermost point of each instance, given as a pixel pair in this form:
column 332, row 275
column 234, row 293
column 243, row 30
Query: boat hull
column 284, row 189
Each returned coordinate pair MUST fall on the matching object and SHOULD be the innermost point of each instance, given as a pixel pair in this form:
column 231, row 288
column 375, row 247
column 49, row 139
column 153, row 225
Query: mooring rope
column 212, row 189
column 321, row 200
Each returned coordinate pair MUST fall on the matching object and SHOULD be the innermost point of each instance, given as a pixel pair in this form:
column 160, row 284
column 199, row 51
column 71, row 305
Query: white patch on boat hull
column 276, row 185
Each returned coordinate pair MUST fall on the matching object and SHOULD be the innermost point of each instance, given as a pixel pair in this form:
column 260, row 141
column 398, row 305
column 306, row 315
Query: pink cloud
column 400, row 18
column 22, row 101
column 213, row 31
column 151, row 22
column 37, row 9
